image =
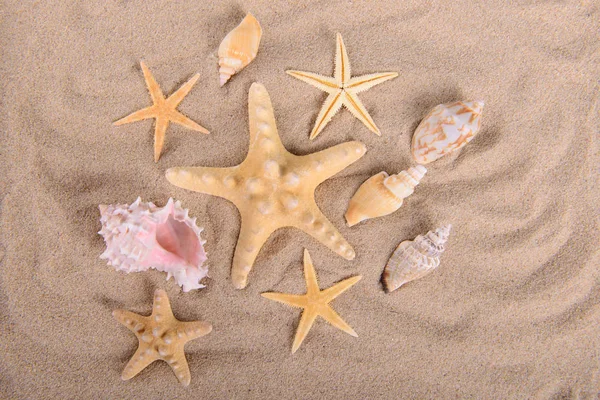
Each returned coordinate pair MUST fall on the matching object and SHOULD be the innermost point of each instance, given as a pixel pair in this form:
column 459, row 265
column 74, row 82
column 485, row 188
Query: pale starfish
column 272, row 188
column 161, row 337
column 343, row 90
column 315, row 302
column 163, row 110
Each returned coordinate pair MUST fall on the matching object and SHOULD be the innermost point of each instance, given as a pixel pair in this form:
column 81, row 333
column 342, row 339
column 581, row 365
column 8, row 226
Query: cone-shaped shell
column 414, row 259
column 382, row 194
column 239, row 48
column 446, row 128
column 142, row 236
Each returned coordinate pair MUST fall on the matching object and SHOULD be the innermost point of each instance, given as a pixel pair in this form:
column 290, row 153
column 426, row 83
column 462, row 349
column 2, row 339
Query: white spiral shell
column 414, row 259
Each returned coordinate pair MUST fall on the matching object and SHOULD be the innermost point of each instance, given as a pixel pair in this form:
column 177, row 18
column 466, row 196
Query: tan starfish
column 161, row 337
column 343, row 90
column 315, row 302
column 163, row 110
column 272, row 188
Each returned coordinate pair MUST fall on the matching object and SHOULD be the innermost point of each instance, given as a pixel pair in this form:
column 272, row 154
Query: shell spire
column 446, row 128
column 141, row 236
column 382, row 194
column 239, row 48
column 414, row 259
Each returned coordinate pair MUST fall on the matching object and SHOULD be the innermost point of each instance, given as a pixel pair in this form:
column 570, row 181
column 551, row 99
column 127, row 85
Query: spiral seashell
column 382, row 194
column 142, row 236
column 446, row 128
column 239, row 48
column 414, row 259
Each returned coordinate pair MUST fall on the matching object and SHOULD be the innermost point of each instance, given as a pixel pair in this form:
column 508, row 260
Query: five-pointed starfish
column 342, row 90
column 164, row 110
column 272, row 188
column 161, row 337
column 315, row 302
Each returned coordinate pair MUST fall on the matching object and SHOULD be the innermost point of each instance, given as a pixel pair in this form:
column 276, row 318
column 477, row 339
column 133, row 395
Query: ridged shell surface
column 414, row 259
column 239, row 48
column 446, row 128
column 141, row 236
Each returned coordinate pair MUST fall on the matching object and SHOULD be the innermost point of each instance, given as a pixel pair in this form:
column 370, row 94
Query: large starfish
column 161, row 337
column 272, row 188
column 163, row 110
column 343, row 90
column 315, row 302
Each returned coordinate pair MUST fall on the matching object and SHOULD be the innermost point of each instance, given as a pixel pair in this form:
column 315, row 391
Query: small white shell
column 142, row 236
column 239, row 48
column 414, row 259
column 446, row 128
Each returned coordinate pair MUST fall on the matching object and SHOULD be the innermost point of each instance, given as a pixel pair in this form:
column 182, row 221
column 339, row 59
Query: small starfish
column 161, row 337
column 272, row 188
column 342, row 90
column 315, row 302
column 164, row 110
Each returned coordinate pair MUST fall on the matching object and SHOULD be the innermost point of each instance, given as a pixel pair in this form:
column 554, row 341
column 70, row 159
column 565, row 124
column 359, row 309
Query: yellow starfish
column 315, row 302
column 272, row 188
column 161, row 337
column 342, row 90
column 164, row 110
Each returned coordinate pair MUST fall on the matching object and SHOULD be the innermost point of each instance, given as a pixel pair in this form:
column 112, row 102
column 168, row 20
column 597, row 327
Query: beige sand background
column 512, row 312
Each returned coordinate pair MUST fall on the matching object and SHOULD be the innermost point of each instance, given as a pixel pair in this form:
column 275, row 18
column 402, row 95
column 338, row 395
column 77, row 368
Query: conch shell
column 414, row 259
column 141, row 236
column 446, row 128
column 382, row 194
column 239, row 48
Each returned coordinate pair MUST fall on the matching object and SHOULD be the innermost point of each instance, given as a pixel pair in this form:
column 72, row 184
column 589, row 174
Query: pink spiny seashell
column 142, row 236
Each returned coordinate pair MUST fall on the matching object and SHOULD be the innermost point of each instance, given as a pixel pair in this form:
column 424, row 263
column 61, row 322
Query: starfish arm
column 176, row 98
column 162, row 305
column 361, row 83
column 342, row 63
column 334, row 319
column 153, row 88
column 312, row 286
column 132, row 321
column 213, row 181
column 180, row 367
column 144, row 113
column 182, row 120
column 263, row 128
column 252, row 237
column 306, row 322
column 194, row 329
column 159, row 136
column 324, row 83
column 326, row 163
column 331, row 293
column 294, row 300
column 321, row 229
column 330, row 107
column 140, row 360
column 356, row 107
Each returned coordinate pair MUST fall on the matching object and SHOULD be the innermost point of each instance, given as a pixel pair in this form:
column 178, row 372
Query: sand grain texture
column 512, row 312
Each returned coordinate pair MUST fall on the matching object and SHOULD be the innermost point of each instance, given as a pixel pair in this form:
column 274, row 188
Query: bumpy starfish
column 272, row 188
column 343, row 90
column 163, row 110
column 161, row 337
column 315, row 302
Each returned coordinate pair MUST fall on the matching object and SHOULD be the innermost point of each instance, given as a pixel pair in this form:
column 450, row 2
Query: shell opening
column 178, row 238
